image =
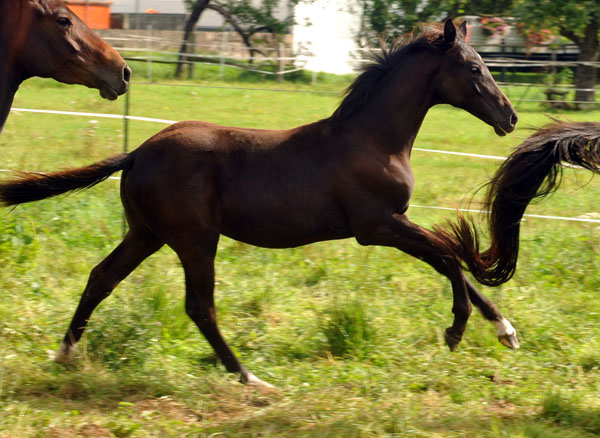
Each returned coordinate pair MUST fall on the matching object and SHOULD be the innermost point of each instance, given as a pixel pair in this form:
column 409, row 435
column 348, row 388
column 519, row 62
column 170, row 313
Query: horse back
column 238, row 180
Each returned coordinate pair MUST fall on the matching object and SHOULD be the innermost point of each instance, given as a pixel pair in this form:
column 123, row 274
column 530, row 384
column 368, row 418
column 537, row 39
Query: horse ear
column 37, row 6
column 449, row 32
column 463, row 29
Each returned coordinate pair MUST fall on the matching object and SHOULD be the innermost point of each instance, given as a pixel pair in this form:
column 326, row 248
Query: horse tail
column 33, row 186
column 532, row 171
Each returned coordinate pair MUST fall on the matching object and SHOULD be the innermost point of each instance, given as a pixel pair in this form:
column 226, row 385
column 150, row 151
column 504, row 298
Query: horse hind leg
column 426, row 248
column 507, row 334
column 198, row 265
column 135, row 247
column 421, row 243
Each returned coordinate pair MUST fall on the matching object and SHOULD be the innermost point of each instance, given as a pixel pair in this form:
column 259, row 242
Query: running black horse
column 345, row 176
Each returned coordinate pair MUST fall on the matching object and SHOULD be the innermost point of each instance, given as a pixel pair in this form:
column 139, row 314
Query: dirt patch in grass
column 90, row 430
column 222, row 406
column 168, row 408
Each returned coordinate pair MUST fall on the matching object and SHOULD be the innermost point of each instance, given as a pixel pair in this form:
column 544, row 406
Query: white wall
column 165, row 6
column 327, row 29
column 209, row 18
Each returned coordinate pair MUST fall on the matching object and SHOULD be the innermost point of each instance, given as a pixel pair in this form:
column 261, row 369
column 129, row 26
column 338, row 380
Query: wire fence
column 282, row 59
column 127, row 118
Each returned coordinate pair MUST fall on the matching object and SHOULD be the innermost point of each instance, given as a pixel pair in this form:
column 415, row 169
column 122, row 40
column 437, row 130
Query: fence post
column 224, row 41
column 149, row 58
column 280, row 61
column 503, row 51
column 126, row 144
column 191, row 59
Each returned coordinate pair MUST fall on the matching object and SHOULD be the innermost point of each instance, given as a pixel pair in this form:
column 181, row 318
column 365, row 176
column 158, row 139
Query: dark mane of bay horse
column 532, row 171
column 44, row 38
column 380, row 63
column 348, row 175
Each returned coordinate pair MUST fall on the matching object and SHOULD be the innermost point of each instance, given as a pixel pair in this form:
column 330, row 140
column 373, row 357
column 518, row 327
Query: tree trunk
column 585, row 76
column 197, row 10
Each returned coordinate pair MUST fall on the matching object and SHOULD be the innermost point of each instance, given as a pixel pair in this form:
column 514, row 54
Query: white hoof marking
column 504, row 328
column 261, row 385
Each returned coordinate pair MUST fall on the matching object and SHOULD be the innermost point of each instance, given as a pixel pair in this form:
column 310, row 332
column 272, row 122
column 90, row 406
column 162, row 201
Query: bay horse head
column 44, row 38
column 60, row 45
column 465, row 82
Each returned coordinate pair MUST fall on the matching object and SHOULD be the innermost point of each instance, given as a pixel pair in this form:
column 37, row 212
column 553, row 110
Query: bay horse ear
column 463, row 29
column 449, row 32
column 37, row 6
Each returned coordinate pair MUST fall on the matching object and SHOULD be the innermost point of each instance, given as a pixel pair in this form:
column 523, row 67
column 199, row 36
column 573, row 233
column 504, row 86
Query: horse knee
column 201, row 315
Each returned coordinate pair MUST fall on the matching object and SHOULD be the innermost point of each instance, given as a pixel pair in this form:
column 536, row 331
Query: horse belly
column 283, row 223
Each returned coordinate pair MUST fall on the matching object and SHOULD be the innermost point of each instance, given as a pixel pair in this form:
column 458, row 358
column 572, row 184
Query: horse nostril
column 514, row 119
column 126, row 73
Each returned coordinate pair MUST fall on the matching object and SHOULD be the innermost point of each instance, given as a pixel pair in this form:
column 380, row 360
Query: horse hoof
column 64, row 354
column 507, row 334
column 258, row 384
column 510, row 341
column 452, row 340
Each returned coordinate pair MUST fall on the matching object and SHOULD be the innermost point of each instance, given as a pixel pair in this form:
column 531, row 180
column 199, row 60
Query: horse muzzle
column 501, row 128
column 116, row 86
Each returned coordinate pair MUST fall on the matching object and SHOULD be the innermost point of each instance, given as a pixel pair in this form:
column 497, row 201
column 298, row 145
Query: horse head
column 465, row 82
column 56, row 43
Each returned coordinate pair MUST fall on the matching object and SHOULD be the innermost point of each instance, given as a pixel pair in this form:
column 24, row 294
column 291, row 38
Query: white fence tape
column 169, row 122
column 95, row 115
column 537, row 216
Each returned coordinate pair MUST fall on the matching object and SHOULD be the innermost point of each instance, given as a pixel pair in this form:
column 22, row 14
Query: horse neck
column 9, row 84
column 397, row 110
column 10, row 78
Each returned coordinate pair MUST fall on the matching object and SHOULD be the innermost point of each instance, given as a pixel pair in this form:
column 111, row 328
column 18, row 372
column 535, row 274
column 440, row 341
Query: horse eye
column 64, row 22
column 475, row 70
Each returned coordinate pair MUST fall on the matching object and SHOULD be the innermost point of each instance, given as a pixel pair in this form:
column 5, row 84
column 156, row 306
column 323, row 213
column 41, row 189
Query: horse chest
column 387, row 180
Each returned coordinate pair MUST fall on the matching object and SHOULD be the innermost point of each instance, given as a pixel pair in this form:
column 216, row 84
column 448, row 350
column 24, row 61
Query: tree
column 396, row 17
column 196, row 7
column 246, row 17
column 576, row 20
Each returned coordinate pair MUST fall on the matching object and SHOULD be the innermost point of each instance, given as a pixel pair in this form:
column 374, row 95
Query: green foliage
column 570, row 17
column 262, row 16
column 397, row 17
column 578, row 21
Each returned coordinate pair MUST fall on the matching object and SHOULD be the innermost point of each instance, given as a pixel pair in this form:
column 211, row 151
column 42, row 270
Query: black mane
column 382, row 62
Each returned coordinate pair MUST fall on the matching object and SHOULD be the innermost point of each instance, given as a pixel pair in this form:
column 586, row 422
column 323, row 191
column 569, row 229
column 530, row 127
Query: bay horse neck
column 11, row 75
column 396, row 108
column 8, row 88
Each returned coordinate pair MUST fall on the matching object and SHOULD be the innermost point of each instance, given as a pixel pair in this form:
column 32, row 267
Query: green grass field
column 351, row 336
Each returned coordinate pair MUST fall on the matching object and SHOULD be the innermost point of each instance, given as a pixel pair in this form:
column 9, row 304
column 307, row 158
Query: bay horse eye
column 475, row 70
column 64, row 22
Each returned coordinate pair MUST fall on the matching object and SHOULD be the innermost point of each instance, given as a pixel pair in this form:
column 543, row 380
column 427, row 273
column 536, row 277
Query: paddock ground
column 143, row 370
